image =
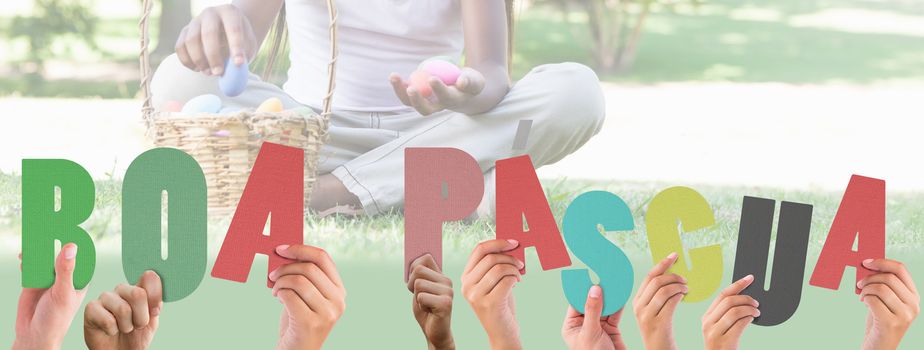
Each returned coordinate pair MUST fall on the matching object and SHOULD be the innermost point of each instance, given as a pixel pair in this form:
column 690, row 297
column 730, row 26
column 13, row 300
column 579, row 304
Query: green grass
column 222, row 314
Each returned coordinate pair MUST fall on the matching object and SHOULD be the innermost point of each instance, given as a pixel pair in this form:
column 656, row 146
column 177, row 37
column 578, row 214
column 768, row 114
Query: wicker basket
column 227, row 145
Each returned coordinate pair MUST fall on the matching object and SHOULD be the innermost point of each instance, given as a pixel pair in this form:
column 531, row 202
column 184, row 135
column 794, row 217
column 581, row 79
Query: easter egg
column 420, row 80
column 271, row 105
column 171, row 106
column 436, row 58
column 234, row 80
column 207, row 103
column 445, row 71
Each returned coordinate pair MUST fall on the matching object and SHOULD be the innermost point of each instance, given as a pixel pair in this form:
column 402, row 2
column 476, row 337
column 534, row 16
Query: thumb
column 151, row 283
column 593, row 308
column 64, row 269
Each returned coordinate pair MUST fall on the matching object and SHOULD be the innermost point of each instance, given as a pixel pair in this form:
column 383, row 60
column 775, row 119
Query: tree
column 616, row 28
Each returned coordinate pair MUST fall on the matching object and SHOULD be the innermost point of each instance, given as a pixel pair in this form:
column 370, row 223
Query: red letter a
column 276, row 186
column 860, row 216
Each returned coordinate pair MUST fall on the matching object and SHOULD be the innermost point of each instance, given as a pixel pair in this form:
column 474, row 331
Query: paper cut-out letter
column 861, row 217
column 43, row 224
column 275, row 191
column 781, row 299
column 148, row 178
column 428, row 172
column 606, row 259
column 687, row 206
column 519, row 197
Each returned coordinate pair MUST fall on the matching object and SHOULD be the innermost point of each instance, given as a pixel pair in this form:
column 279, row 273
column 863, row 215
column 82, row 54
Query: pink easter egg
column 171, row 106
column 420, row 80
column 445, row 71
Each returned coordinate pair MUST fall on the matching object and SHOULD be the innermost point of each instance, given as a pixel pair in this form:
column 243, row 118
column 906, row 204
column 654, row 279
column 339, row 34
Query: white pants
column 366, row 149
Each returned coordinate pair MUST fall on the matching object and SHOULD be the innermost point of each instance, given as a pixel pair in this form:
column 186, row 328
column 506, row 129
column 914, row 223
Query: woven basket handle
column 148, row 111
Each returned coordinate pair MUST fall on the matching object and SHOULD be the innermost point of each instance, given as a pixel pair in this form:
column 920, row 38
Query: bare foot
column 328, row 193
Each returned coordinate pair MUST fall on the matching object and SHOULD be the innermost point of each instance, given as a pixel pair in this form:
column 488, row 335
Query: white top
column 375, row 38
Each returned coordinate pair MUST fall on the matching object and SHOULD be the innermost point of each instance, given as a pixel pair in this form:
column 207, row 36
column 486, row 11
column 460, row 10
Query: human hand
column 590, row 331
column 729, row 315
column 217, row 33
column 893, row 303
column 312, row 294
column 432, row 302
column 126, row 318
column 655, row 303
column 44, row 314
column 487, row 284
column 469, row 85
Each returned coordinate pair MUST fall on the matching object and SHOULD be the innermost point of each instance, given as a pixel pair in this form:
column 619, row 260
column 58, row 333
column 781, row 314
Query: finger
column 593, row 309
column 212, row 45
column 421, row 103
column 424, row 286
column 888, row 297
column 494, row 276
column 489, row 247
column 655, row 284
column 194, row 47
column 664, row 294
column 293, row 304
column 671, row 305
column 137, row 298
column 434, row 301
column 877, row 306
column 728, row 303
column 504, row 287
column 488, row 262
column 181, row 53
column 309, row 294
column 734, row 314
column 233, row 26
column 470, row 81
column 96, row 316
column 733, row 289
column 400, row 88
column 120, row 309
column 448, row 96
column 151, row 283
column 64, row 270
column 892, row 266
column 314, row 274
column 738, row 328
column 661, row 267
column 312, row 254
column 893, row 282
column 425, row 273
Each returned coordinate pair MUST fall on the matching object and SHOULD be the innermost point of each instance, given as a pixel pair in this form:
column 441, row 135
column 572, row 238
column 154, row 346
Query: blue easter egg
column 234, row 81
column 207, row 103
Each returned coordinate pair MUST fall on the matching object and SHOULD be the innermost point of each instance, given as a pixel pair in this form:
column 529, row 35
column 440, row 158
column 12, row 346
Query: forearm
column 496, row 86
column 261, row 14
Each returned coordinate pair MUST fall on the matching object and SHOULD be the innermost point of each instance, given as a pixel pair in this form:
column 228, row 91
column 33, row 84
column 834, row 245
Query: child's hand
column 654, row 304
column 217, row 33
column 589, row 331
column 44, row 315
column 313, row 296
column 432, row 303
column 893, row 303
column 487, row 284
column 729, row 315
column 126, row 318
column 469, row 85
